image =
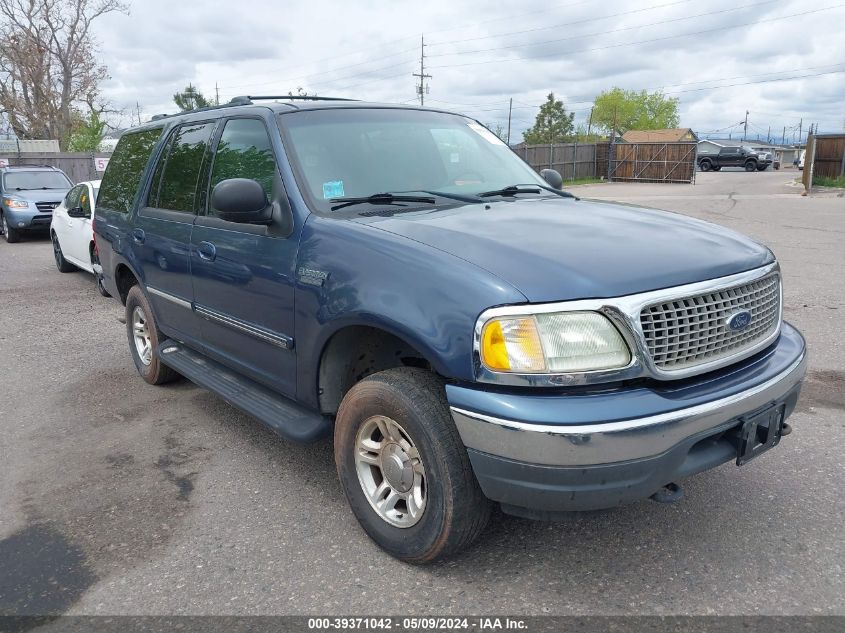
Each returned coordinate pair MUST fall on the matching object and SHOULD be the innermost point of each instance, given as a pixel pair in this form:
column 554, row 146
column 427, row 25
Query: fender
column 351, row 274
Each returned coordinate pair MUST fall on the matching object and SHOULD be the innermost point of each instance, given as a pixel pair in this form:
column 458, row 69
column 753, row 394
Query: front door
column 243, row 274
column 79, row 233
column 162, row 233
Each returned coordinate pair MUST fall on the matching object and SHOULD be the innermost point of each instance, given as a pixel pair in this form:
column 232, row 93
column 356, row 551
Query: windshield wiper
column 461, row 197
column 379, row 198
column 514, row 190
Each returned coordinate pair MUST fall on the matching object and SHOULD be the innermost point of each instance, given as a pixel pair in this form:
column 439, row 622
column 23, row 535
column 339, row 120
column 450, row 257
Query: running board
column 280, row 414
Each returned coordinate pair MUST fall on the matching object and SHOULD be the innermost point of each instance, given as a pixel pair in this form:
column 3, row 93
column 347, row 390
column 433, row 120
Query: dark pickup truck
column 397, row 277
column 734, row 157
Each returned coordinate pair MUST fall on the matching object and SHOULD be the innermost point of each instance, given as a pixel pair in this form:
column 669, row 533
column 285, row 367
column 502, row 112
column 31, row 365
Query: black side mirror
column 552, row 177
column 241, row 200
column 77, row 212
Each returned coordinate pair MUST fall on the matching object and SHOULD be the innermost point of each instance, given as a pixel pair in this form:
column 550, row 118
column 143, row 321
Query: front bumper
column 30, row 219
column 598, row 449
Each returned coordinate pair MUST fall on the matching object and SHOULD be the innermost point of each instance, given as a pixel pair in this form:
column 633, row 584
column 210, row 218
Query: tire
column 762, row 167
column 411, row 404
column 152, row 370
column 101, row 286
column 705, row 165
column 11, row 235
column 750, row 166
column 718, row 168
column 62, row 264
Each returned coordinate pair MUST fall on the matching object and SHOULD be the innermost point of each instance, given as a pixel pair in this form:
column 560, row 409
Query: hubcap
column 57, row 251
column 390, row 471
column 141, row 335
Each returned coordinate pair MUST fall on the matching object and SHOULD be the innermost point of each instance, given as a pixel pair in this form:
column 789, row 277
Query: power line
column 648, row 41
column 557, row 26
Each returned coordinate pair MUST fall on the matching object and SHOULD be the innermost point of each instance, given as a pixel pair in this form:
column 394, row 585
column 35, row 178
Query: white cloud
column 368, row 49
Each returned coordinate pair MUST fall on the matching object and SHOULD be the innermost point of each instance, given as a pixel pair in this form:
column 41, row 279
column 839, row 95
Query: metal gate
column 652, row 162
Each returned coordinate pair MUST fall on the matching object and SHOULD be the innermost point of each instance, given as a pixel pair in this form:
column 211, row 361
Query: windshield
column 19, row 180
column 346, row 152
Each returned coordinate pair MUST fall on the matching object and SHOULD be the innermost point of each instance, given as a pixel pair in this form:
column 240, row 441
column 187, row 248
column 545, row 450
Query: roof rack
column 248, row 99
column 32, row 165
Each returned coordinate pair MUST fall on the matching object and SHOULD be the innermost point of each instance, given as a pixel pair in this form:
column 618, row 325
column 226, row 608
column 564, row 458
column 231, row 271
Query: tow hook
column 670, row 493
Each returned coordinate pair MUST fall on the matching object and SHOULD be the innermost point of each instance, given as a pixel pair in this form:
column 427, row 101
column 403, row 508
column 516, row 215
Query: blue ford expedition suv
column 468, row 332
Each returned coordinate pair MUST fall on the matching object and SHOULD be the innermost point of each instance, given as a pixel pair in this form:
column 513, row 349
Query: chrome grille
column 690, row 331
column 46, row 207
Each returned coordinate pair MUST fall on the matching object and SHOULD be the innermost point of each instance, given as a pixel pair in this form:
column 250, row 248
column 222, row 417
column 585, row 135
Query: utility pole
column 745, row 126
column 769, row 135
column 590, row 123
column 216, row 94
column 510, row 108
column 421, row 89
column 800, row 127
column 138, row 111
column 783, row 138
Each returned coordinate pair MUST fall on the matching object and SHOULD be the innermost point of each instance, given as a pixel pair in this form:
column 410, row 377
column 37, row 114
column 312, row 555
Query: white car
column 72, row 232
column 801, row 159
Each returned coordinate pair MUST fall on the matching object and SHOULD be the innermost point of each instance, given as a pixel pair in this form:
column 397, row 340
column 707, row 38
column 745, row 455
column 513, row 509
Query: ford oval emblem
column 738, row 320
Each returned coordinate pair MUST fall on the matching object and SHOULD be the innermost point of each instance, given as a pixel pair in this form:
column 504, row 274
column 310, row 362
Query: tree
column 87, row 134
column 499, row 130
column 47, row 65
column 190, row 98
column 552, row 125
column 625, row 110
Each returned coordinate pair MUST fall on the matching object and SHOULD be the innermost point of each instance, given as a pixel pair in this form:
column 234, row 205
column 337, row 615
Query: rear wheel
column 404, row 469
column 11, row 235
column 705, row 165
column 62, row 264
column 144, row 337
column 750, row 165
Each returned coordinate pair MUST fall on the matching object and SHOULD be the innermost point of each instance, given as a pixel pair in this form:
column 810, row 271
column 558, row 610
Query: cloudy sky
column 783, row 60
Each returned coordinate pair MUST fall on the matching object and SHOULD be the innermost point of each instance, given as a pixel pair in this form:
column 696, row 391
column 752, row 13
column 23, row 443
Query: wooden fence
column 828, row 156
column 574, row 161
column 652, row 162
column 627, row 162
column 78, row 166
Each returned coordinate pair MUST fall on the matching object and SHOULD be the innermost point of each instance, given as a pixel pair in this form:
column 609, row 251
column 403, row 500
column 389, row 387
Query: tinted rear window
column 126, row 167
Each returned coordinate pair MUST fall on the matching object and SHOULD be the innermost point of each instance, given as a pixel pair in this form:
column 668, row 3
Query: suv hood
column 555, row 249
column 39, row 195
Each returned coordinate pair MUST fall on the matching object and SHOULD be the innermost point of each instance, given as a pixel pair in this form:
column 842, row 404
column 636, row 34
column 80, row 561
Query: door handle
column 139, row 236
column 207, row 251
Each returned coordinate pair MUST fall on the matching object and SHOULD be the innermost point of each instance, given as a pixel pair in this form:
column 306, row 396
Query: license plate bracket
column 758, row 433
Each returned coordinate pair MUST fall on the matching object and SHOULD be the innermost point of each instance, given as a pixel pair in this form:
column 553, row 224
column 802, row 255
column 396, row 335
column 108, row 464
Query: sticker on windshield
column 486, row 134
column 333, row 189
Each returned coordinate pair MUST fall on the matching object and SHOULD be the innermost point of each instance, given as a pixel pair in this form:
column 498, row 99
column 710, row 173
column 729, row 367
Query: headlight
column 561, row 342
column 14, row 203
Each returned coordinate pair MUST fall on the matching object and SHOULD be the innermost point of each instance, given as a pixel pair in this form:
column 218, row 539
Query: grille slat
column 690, row 331
column 46, row 207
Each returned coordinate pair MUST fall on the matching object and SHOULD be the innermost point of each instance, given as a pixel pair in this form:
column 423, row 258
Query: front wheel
column 62, row 264
column 11, row 235
column 404, row 469
column 144, row 337
column 750, row 166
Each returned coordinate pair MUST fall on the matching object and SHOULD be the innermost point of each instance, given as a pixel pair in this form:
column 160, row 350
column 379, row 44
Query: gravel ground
column 121, row 498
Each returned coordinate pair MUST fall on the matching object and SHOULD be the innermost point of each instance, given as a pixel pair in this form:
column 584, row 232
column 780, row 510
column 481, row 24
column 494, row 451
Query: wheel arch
column 356, row 350
column 125, row 278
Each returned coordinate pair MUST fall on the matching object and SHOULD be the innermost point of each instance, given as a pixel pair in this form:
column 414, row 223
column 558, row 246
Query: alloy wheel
column 390, row 471
column 141, row 335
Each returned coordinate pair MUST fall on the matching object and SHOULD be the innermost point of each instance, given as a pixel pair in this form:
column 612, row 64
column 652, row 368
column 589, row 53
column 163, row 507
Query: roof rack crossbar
column 250, row 98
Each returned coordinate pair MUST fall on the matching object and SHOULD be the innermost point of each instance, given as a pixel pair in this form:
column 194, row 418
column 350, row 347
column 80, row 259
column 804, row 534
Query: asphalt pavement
column 117, row 497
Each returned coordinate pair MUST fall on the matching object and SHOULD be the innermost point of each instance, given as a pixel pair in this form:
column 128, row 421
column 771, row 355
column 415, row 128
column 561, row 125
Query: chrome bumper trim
column 609, row 442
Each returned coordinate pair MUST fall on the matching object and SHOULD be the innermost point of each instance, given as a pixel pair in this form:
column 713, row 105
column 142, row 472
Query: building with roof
column 674, row 135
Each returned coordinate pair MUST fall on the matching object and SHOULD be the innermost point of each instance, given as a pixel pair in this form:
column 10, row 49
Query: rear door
column 162, row 233
column 730, row 156
column 243, row 274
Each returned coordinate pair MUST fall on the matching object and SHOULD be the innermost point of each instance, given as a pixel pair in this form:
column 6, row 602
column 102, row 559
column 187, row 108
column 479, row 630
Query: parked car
column 28, row 195
column 399, row 278
column 801, row 159
column 72, row 232
column 736, row 156
column 764, row 160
